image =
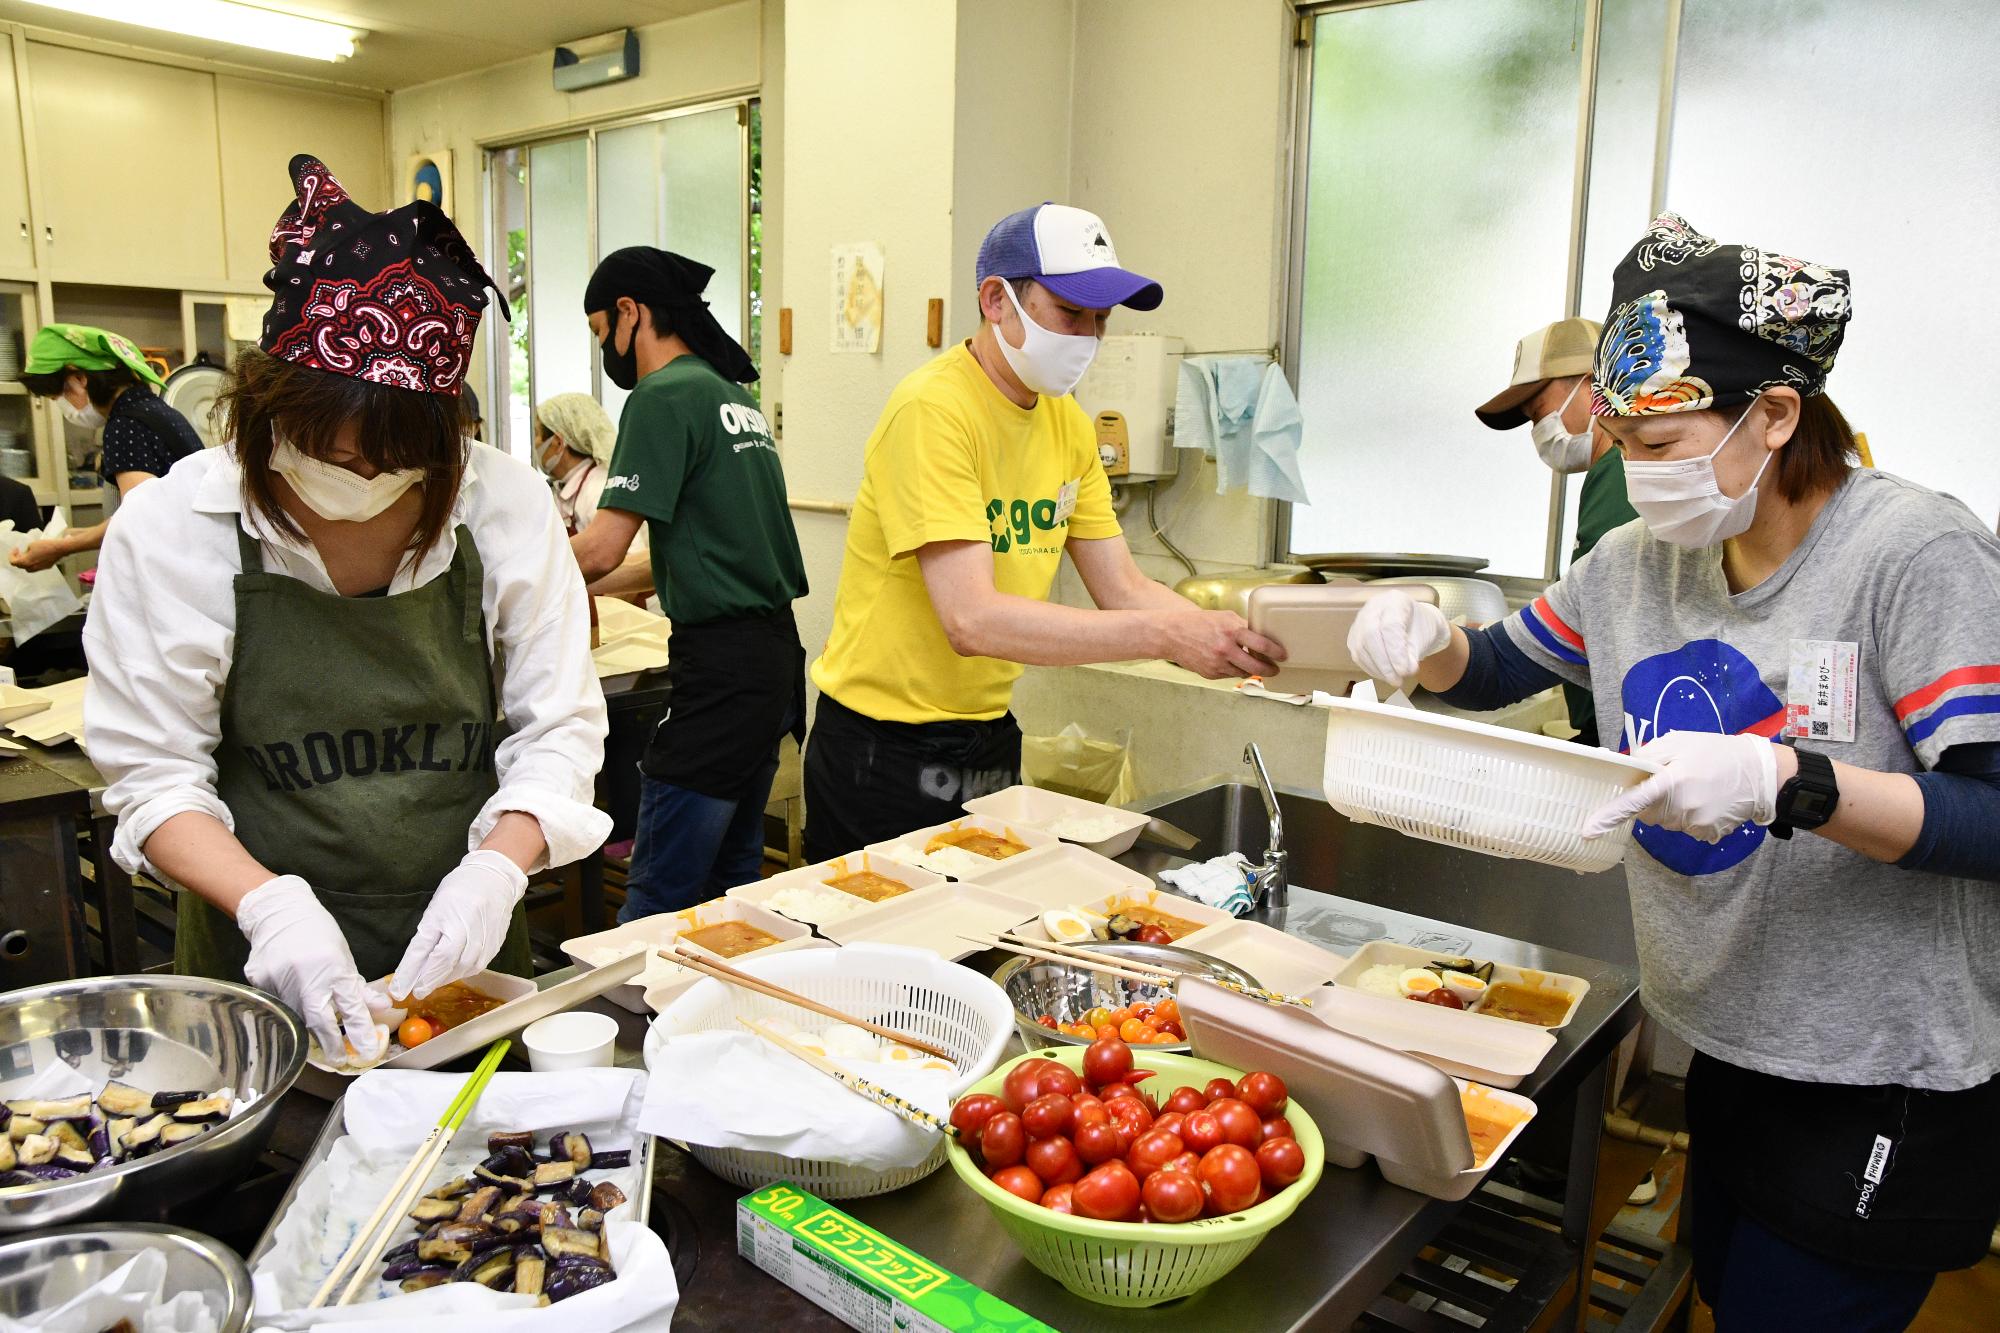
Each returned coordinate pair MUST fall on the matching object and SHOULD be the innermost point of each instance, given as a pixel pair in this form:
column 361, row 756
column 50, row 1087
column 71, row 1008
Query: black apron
column 737, row 688
column 356, row 750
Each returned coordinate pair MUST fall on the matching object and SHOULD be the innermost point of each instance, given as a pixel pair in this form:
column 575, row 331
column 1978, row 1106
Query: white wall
column 711, row 54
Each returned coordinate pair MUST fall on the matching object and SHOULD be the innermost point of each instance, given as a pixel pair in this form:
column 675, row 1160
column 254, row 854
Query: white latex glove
column 1394, row 634
column 1708, row 786
column 464, row 926
column 298, row 954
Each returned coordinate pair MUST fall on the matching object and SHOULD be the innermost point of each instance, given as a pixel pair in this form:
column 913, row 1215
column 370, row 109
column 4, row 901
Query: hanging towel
column 1239, row 411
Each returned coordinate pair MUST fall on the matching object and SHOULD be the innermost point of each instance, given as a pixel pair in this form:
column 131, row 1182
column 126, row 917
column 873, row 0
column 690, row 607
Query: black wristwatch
column 1809, row 798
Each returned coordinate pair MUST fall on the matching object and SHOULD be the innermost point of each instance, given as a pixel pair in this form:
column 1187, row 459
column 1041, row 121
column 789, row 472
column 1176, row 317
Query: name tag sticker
column 1820, row 690
column 1066, row 499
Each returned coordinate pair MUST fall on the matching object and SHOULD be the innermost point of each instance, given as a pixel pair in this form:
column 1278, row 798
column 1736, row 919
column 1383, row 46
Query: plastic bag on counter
column 1077, row 764
column 38, row 600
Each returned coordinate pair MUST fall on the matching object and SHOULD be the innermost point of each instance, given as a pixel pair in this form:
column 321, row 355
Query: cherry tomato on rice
column 1280, row 1162
column 1150, row 934
column 1058, row 1200
column 1046, row 1115
column 1185, row 1099
column 1240, row 1124
column 415, row 1031
column 1110, row 1193
column 1201, row 1131
column 1230, row 1178
column 1020, row 1182
column 1172, row 1196
column 1054, row 1161
column 1263, row 1093
column 1277, row 1128
column 1002, row 1141
column 1218, row 1087
column 1107, row 1062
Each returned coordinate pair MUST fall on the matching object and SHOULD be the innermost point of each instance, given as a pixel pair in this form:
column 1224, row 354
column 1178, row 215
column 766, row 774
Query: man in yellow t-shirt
column 981, row 473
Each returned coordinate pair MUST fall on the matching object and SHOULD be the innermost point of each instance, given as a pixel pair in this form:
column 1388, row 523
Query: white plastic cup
column 575, row 1040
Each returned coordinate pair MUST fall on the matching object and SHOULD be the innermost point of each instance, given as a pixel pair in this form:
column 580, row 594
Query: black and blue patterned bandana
column 1695, row 324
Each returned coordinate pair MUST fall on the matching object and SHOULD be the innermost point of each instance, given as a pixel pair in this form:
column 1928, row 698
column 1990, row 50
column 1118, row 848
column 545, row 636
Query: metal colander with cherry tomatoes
column 1099, row 1159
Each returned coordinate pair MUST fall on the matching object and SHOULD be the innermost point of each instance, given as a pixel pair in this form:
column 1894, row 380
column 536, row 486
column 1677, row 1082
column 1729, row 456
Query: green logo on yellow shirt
column 1015, row 525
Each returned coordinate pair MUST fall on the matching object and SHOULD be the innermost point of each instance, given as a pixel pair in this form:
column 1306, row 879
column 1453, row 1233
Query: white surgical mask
column 1681, row 502
column 1562, row 451
column 87, row 417
column 1048, row 363
column 333, row 492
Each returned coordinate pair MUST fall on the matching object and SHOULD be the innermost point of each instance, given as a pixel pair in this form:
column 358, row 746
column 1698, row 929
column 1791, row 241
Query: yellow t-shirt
column 952, row 459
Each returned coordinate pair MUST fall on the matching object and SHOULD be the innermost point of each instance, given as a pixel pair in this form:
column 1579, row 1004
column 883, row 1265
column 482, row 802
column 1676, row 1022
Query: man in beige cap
column 1550, row 392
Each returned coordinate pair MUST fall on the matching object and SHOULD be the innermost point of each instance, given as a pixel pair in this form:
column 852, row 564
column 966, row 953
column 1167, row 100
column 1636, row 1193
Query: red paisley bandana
column 392, row 298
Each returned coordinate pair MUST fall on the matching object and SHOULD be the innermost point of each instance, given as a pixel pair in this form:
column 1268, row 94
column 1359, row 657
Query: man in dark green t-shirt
column 1550, row 391
column 696, row 463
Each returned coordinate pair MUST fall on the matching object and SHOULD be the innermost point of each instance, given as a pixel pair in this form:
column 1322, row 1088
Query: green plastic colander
column 1139, row 1263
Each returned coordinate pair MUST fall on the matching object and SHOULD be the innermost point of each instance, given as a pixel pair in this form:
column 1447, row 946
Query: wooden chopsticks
column 881, row 1096
column 369, row 1243
column 708, row 967
column 1132, row 969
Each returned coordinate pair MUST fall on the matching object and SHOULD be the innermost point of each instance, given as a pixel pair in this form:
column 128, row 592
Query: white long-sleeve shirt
column 162, row 632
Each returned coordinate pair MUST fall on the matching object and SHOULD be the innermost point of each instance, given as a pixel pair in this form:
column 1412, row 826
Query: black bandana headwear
column 671, row 284
column 1696, row 323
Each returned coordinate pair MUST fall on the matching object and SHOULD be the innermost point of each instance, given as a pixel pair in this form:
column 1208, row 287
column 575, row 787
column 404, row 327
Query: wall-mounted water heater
column 1128, row 393
column 591, row 62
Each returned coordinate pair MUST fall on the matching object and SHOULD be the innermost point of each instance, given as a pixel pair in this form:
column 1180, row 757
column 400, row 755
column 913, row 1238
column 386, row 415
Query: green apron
column 356, row 750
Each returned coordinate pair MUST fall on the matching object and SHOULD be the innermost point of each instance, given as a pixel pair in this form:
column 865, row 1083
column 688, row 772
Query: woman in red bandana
column 340, row 669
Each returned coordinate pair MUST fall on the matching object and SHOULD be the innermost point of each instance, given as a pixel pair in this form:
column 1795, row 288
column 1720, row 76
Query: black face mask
column 622, row 367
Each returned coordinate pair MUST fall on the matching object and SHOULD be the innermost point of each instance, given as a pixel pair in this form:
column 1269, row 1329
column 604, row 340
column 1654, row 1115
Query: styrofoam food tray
column 908, row 849
column 937, row 918
column 1200, row 914
column 1457, row 1186
column 1037, row 807
column 1378, row 952
column 1472, row 785
column 660, row 932
column 1281, row 962
column 761, row 893
column 449, row 1044
column 1492, row 1050
column 1066, row 876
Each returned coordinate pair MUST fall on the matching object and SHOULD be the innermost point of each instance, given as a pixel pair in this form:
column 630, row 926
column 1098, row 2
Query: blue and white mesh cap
column 1069, row 252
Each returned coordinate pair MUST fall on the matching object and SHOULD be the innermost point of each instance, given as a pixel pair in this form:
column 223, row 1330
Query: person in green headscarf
column 101, row 382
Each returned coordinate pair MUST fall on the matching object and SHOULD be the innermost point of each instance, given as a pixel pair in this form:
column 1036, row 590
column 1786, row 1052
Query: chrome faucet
column 1267, row 879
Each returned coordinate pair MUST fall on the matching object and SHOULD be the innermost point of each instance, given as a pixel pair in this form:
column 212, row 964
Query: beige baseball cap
column 1566, row 347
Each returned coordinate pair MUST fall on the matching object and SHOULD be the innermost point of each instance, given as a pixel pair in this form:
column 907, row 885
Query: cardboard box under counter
column 860, row 1276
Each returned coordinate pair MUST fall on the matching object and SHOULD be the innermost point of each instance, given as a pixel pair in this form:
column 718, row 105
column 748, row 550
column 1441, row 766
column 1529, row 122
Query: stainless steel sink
column 1582, row 914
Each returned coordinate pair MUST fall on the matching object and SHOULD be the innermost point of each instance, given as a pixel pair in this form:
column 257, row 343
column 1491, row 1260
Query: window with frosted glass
column 1865, row 136
column 1442, row 143
column 559, row 266
column 507, row 423
column 678, row 183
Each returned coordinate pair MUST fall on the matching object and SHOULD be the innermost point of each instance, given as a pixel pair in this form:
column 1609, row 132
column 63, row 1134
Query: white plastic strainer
column 1468, row 784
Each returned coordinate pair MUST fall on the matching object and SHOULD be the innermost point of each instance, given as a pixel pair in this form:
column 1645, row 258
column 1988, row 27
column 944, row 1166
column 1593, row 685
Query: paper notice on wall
column 244, row 317
column 857, row 297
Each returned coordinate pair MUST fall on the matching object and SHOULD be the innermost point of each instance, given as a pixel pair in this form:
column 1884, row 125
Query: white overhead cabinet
column 125, row 152
column 262, row 125
column 17, row 245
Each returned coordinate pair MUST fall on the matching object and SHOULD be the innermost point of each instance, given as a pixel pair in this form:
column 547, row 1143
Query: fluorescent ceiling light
column 225, row 21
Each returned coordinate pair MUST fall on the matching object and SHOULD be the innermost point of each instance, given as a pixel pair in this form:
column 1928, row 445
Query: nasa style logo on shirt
column 1704, row 685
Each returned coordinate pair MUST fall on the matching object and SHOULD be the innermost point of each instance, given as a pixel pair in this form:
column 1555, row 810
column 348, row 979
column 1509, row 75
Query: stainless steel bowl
column 1066, row 993
column 157, row 1034
column 38, row 1273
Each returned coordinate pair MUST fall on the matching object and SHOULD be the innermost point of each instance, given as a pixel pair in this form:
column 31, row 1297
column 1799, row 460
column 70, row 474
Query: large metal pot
column 41, row 1272
column 157, row 1034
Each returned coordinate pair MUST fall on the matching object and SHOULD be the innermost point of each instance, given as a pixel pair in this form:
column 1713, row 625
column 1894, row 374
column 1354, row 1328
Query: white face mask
column 1562, row 451
column 333, row 492
column 1048, row 363
column 1681, row 502
column 87, row 417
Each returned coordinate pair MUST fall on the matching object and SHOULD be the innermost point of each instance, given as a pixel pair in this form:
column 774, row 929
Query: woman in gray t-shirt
column 1817, row 917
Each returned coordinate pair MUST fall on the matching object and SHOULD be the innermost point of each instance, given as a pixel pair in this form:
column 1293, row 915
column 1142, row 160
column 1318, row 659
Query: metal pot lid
column 194, row 391
column 1393, row 562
